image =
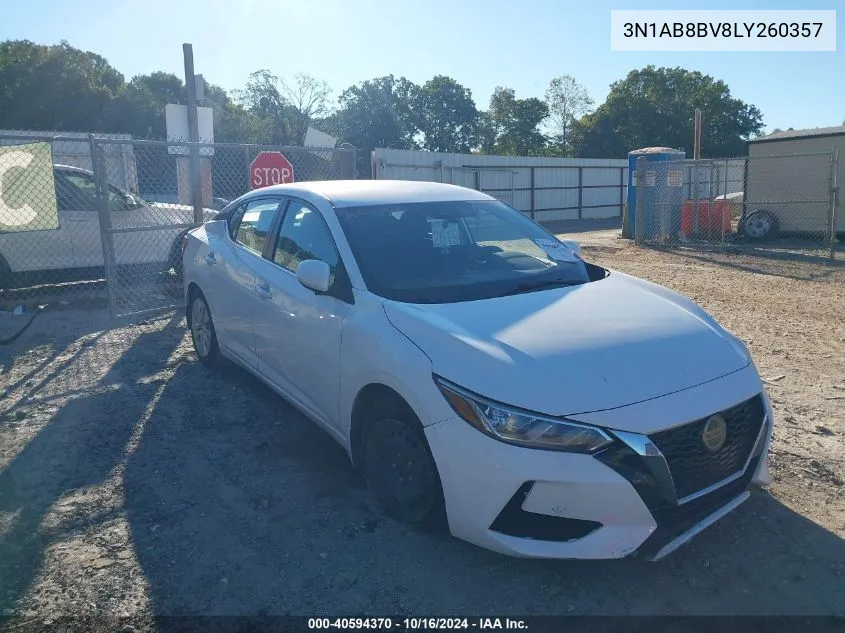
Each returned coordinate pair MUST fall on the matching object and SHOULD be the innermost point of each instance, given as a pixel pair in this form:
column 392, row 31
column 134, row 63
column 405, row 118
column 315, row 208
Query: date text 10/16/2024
column 422, row 624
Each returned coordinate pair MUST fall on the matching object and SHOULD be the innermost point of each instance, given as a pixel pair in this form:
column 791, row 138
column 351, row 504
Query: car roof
column 354, row 193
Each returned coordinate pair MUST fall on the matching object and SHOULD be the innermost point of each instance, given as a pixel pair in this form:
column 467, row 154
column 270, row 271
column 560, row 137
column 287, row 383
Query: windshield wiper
column 539, row 285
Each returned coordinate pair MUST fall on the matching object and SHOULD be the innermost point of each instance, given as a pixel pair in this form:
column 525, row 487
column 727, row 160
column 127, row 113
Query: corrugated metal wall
column 545, row 188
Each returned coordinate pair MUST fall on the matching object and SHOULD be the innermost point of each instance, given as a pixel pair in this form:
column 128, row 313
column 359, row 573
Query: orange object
column 705, row 216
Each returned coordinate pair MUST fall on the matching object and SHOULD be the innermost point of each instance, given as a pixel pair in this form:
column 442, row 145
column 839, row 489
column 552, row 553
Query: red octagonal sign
column 270, row 168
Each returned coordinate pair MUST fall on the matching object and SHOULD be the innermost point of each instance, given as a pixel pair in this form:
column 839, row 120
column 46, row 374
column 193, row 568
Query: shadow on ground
column 257, row 511
column 84, row 441
column 236, row 504
column 779, row 263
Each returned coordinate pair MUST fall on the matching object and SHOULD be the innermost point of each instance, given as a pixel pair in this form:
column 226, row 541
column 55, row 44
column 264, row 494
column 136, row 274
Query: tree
column 139, row 108
column 163, row 87
column 375, row 113
column 445, row 114
column 512, row 126
column 65, row 89
column 289, row 108
column 567, row 101
column 56, row 88
column 232, row 123
column 263, row 97
column 656, row 107
column 309, row 100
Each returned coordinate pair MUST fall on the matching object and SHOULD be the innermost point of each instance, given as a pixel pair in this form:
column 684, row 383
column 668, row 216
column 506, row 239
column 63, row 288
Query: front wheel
column 202, row 331
column 399, row 468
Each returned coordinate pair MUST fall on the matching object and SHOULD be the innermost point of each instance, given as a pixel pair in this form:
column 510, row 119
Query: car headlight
column 523, row 428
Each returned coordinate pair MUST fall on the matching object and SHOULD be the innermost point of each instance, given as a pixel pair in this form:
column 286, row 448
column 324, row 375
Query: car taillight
column 184, row 243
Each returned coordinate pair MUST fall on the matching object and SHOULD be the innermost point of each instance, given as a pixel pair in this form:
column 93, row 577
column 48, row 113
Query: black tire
column 174, row 261
column 399, row 468
column 759, row 225
column 203, row 335
column 5, row 275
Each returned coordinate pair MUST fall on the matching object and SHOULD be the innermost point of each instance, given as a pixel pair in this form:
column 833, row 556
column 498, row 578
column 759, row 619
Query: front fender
column 375, row 352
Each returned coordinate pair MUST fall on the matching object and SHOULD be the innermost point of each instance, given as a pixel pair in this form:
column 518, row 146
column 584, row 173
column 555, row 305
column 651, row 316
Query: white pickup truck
column 152, row 234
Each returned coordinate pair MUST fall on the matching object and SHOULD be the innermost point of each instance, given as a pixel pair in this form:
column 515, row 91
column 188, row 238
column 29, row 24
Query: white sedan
column 145, row 233
column 475, row 366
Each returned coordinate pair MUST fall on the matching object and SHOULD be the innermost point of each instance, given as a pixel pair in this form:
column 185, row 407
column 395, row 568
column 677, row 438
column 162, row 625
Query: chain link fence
column 103, row 218
column 780, row 202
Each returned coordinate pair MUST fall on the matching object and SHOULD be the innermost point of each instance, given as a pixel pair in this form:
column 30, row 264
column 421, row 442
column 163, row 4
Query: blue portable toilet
column 661, row 193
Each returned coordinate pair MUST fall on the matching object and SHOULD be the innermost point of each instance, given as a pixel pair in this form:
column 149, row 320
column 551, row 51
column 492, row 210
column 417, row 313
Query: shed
column 791, row 170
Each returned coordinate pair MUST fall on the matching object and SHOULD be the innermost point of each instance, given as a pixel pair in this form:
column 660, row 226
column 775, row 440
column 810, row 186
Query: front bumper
column 546, row 504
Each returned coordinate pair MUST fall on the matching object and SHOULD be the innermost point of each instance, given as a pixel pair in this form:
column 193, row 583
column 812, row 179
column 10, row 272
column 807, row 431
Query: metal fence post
column 580, row 193
column 101, row 181
column 834, row 195
column 513, row 189
column 533, row 203
column 247, row 162
column 710, row 194
column 639, row 220
column 622, row 192
column 727, row 206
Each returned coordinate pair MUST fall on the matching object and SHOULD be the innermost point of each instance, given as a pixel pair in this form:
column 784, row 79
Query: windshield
column 444, row 252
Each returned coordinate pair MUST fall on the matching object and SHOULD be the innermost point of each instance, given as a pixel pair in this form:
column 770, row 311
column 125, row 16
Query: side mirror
column 574, row 246
column 131, row 201
column 314, row 274
column 217, row 228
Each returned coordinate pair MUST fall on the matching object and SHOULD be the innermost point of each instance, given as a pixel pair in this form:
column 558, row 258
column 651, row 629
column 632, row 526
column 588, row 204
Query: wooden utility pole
column 193, row 133
column 696, row 152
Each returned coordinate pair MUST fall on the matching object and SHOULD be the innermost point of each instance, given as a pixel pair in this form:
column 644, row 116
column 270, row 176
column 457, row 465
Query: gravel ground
column 135, row 482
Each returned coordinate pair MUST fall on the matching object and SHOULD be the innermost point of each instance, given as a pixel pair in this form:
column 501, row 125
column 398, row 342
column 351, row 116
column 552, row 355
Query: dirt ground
column 133, row 481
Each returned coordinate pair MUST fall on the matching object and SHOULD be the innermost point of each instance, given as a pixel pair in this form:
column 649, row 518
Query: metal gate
column 786, row 202
column 140, row 229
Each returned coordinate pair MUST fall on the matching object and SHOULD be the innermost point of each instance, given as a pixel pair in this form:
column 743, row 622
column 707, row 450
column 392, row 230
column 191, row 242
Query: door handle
column 263, row 290
column 73, row 219
column 210, row 259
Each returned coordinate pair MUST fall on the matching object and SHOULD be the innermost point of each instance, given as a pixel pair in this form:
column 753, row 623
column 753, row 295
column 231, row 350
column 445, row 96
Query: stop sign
column 270, row 168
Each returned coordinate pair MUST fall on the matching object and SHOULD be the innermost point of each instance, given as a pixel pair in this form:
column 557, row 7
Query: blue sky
column 481, row 43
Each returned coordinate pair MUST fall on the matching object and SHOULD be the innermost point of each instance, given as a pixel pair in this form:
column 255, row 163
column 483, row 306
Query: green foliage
column 262, row 97
column 375, row 113
column 56, row 87
column 567, row 101
column 445, row 115
column 656, row 107
column 511, row 126
column 66, row 89
column 285, row 109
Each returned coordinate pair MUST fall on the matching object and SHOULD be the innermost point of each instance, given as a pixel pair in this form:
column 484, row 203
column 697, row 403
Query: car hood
column 181, row 212
column 572, row 350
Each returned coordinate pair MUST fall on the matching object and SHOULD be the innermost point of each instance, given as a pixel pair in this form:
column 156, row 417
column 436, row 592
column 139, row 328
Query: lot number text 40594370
column 418, row 624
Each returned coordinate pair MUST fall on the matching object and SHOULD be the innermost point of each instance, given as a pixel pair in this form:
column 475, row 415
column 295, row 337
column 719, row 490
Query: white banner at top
column 723, row 30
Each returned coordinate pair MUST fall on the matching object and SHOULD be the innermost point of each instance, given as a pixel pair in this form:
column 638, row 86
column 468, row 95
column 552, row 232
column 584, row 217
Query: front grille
column 674, row 520
column 693, row 467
